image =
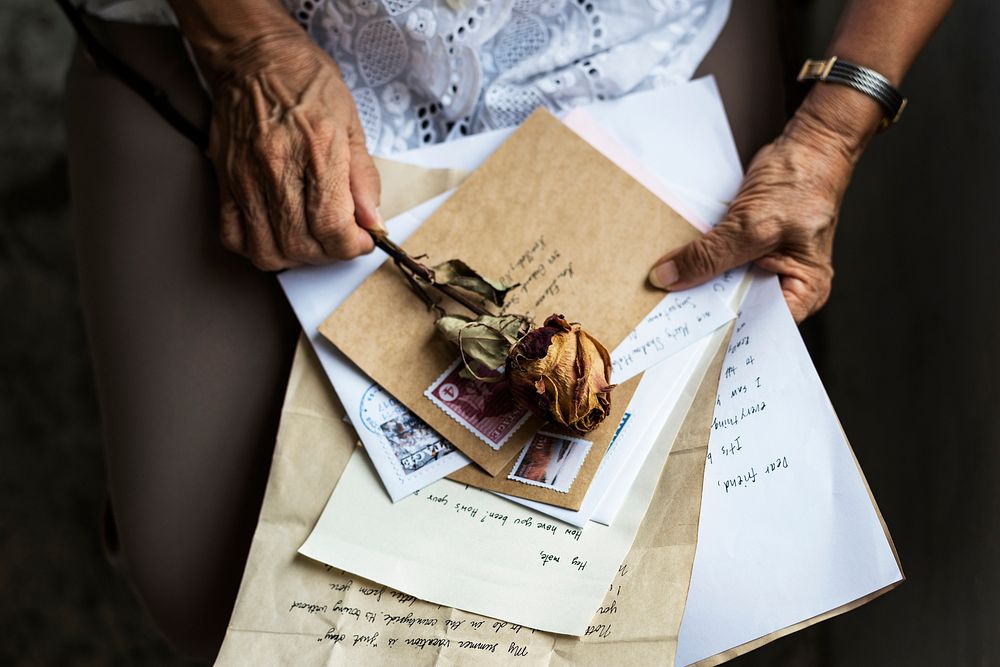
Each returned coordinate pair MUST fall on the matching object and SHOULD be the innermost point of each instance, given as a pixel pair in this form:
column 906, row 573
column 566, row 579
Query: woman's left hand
column 785, row 213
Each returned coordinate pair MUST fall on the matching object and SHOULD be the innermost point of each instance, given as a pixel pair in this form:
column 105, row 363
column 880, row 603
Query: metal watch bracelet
column 862, row 79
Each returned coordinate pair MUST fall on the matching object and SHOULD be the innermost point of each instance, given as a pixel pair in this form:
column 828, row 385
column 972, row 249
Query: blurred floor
column 908, row 347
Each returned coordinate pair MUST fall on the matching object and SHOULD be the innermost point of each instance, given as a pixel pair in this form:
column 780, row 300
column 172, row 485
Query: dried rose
column 563, row 374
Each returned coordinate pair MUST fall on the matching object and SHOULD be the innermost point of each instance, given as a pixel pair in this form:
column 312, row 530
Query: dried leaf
column 449, row 326
column 483, row 342
column 457, row 273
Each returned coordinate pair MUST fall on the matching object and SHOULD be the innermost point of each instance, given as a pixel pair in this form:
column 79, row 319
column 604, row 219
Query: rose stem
column 420, row 290
column 424, row 271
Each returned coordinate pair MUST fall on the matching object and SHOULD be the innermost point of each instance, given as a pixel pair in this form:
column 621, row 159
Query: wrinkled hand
column 783, row 218
column 296, row 184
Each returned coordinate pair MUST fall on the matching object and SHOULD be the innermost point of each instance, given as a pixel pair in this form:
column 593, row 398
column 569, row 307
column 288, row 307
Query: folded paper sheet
column 776, row 435
column 548, row 211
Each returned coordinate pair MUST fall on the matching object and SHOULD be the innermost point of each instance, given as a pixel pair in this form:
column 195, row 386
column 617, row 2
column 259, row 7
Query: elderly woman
column 192, row 343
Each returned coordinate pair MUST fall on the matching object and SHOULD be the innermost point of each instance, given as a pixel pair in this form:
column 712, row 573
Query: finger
column 801, row 302
column 366, row 185
column 231, row 222
column 730, row 244
column 330, row 204
column 804, row 299
column 261, row 244
column 806, row 288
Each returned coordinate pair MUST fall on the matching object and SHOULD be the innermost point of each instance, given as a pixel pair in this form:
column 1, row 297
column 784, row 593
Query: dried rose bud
column 563, row 374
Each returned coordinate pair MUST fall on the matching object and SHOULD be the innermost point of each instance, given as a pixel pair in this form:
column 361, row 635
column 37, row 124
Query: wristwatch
column 862, row 79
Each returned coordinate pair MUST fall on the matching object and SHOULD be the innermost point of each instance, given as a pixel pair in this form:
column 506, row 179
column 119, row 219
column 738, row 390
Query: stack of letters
column 460, row 498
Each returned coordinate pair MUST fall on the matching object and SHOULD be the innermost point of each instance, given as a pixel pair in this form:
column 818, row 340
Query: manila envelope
column 550, row 212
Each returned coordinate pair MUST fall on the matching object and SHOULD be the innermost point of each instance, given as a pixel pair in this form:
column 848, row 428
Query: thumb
column 727, row 246
column 366, row 187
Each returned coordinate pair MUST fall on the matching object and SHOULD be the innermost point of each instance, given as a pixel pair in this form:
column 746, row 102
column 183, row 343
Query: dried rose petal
column 563, row 374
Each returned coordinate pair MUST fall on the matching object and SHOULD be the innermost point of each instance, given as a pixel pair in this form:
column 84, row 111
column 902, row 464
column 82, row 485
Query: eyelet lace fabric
column 424, row 71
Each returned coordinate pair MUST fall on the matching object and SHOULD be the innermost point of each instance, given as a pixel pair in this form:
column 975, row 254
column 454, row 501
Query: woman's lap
column 192, row 345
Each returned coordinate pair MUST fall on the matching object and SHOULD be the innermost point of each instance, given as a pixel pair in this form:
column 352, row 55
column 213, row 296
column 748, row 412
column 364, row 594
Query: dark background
column 908, row 347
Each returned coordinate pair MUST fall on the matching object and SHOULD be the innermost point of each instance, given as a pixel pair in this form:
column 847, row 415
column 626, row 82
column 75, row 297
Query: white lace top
column 424, row 71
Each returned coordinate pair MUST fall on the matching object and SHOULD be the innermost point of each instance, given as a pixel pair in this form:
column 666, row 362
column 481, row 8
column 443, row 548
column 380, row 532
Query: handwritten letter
column 787, row 526
column 679, row 320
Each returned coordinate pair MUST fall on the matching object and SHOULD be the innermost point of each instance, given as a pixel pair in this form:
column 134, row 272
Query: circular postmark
column 405, row 439
column 378, row 407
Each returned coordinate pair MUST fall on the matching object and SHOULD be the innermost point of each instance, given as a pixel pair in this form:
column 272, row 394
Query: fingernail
column 379, row 221
column 664, row 275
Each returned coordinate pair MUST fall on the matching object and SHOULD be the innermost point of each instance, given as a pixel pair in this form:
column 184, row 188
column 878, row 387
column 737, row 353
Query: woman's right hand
column 296, row 183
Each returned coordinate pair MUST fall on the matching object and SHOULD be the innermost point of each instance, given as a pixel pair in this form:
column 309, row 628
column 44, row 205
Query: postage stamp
column 487, row 410
column 550, row 461
column 409, row 443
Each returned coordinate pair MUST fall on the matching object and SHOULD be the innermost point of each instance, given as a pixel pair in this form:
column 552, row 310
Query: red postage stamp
column 487, row 410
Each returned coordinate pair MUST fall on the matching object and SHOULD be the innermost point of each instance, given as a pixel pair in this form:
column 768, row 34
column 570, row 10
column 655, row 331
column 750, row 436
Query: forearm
column 221, row 32
column 886, row 36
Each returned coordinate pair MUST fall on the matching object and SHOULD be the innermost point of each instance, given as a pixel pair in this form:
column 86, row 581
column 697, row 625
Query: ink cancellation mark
column 407, row 441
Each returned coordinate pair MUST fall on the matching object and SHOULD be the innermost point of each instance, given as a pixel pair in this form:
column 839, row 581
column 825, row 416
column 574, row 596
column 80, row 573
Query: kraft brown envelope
column 546, row 210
